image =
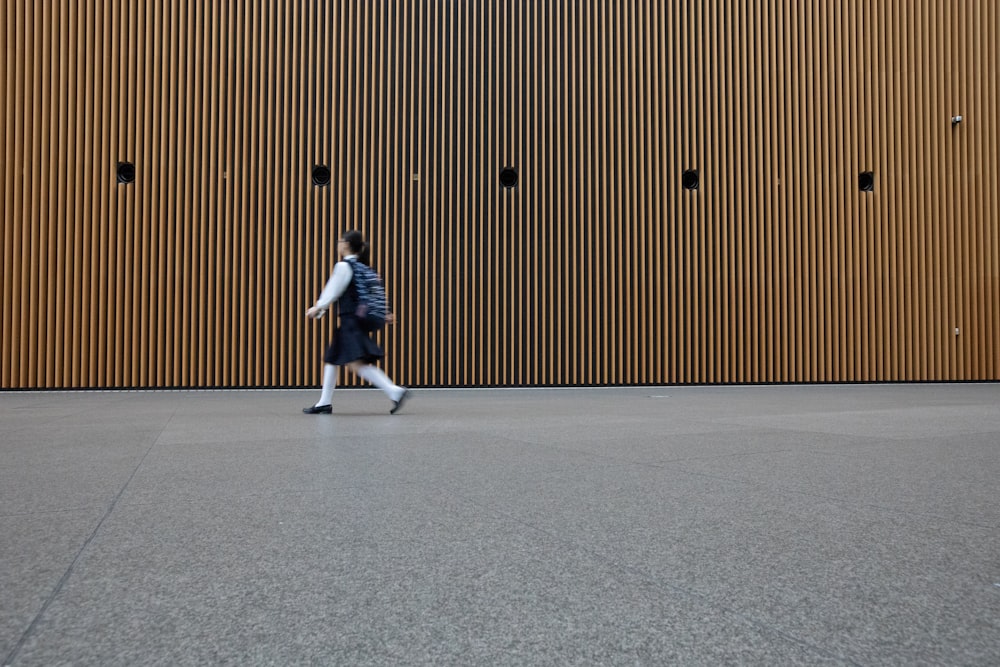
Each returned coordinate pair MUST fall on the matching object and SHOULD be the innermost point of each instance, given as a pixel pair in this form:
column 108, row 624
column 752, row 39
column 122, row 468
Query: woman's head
column 353, row 243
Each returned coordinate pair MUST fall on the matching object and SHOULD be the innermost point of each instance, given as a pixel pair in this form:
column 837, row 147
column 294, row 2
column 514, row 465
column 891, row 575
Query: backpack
column 372, row 306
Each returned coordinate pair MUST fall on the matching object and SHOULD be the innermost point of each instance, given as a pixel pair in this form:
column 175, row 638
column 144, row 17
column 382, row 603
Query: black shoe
column 398, row 404
column 318, row 410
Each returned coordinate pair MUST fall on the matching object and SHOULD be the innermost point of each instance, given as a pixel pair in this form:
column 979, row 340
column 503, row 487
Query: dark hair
column 356, row 242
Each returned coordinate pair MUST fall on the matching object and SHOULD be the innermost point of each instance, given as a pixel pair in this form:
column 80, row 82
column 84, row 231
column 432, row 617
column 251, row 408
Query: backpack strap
column 353, row 262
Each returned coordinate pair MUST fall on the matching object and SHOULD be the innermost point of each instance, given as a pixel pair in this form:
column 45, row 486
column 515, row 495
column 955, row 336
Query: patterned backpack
column 372, row 307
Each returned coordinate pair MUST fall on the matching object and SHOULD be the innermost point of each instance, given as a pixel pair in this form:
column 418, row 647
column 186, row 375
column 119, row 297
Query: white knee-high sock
column 329, row 384
column 375, row 375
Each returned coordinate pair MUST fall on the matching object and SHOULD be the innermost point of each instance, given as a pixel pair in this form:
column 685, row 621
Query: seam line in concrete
column 30, row 630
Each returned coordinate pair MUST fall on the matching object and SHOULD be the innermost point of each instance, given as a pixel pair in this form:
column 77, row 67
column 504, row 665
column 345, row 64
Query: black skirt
column 352, row 343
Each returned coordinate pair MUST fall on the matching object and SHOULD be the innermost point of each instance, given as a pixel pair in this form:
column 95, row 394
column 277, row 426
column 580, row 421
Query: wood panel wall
column 597, row 268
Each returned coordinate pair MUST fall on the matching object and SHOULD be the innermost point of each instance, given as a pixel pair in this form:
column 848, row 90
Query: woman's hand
column 316, row 312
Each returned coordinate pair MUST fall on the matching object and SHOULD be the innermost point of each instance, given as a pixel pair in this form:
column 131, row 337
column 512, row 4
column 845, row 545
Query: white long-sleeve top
column 337, row 284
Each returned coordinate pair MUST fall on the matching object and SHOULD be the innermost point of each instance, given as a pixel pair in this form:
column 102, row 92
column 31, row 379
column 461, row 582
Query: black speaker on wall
column 508, row 177
column 866, row 181
column 321, row 175
column 125, row 173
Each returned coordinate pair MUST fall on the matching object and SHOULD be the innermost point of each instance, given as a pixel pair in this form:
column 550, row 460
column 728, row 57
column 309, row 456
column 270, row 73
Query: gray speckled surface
column 695, row 526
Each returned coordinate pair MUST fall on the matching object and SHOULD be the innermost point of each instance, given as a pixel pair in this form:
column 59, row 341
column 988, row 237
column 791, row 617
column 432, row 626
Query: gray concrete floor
column 692, row 526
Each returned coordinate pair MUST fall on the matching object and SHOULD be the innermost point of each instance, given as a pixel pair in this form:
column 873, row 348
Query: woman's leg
column 378, row 378
column 329, row 384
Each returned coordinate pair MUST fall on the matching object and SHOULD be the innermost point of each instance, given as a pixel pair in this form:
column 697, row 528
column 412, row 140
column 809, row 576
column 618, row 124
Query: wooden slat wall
column 598, row 268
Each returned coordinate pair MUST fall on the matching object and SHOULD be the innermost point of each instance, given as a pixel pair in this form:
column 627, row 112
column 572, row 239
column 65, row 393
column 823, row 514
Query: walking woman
column 352, row 344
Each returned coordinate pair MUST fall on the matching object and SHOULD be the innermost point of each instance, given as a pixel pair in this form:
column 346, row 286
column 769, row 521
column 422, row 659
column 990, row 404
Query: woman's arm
column 334, row 289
